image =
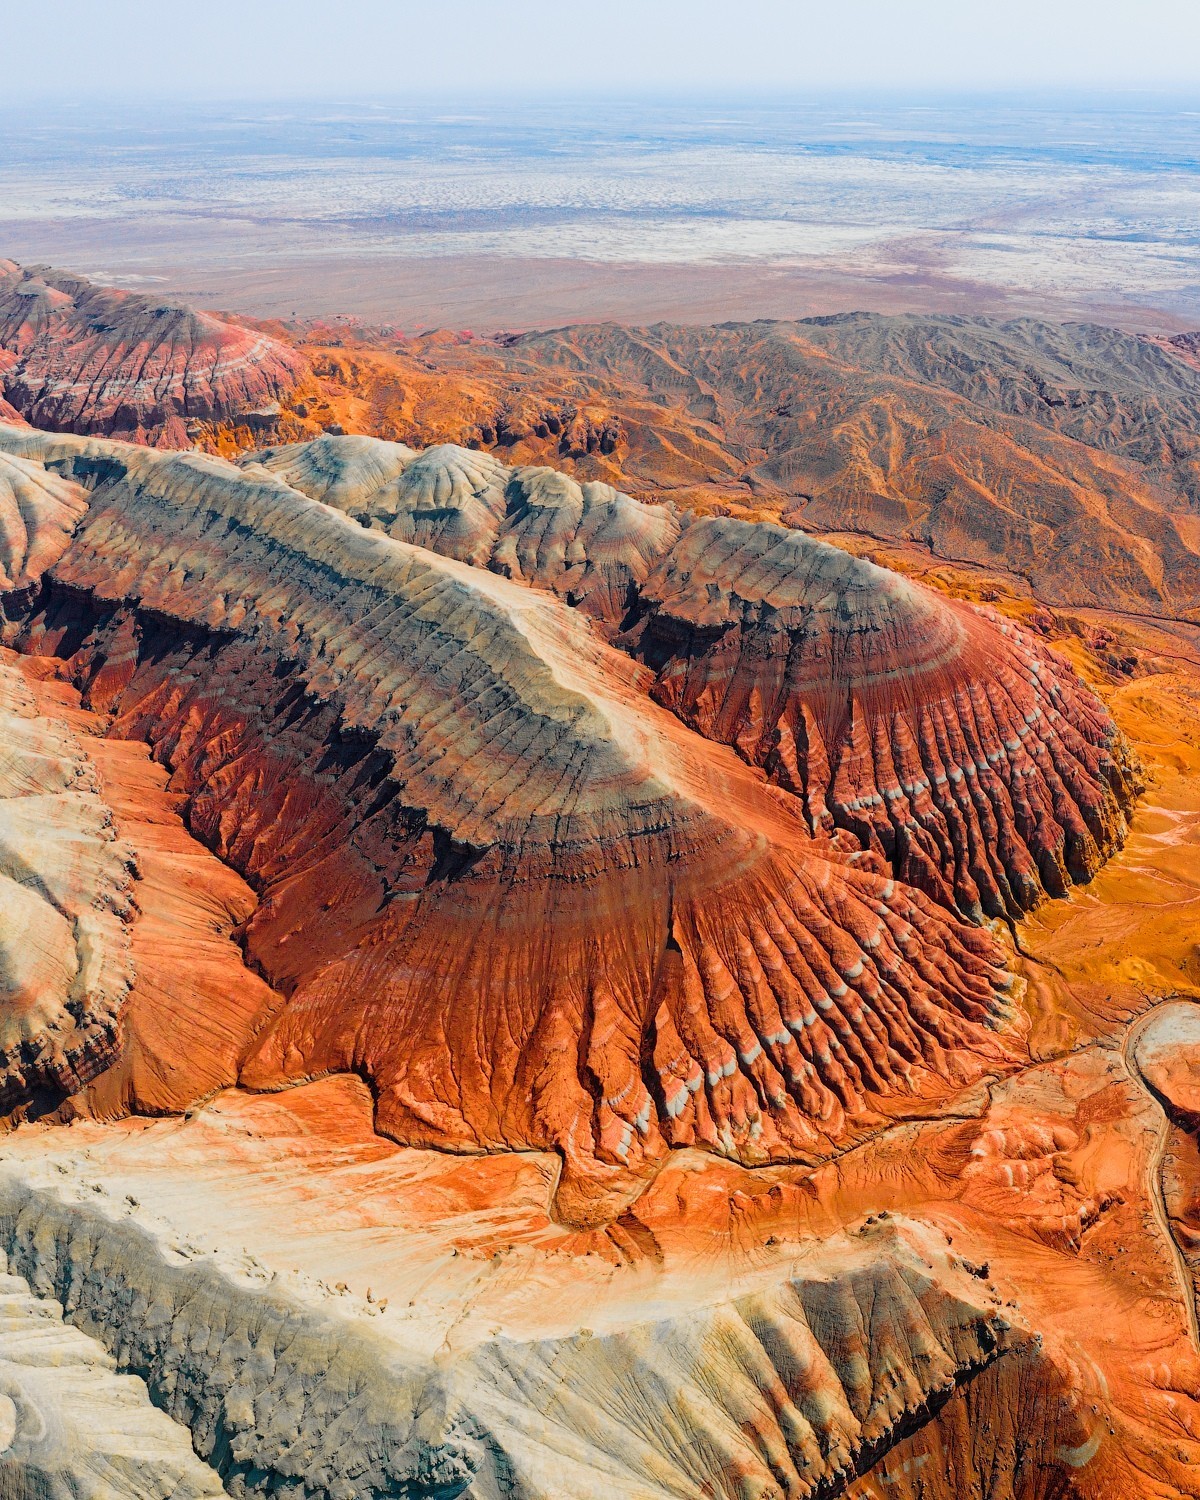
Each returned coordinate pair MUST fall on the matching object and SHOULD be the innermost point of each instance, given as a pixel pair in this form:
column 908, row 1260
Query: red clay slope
column 75, row 357
column 530, row 906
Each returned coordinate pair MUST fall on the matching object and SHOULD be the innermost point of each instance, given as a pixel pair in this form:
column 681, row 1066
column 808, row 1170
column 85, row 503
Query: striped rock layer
column 947, row 741
column 38, row 512
column 530, row 905
column 590, row 544
column 83, row 358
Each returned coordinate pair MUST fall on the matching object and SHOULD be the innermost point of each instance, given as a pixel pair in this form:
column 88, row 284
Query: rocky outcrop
column 792, row 1388
column 73, row 1429
column 946, row 741
column 1167, row 1056
column 77, row 357
column 66, row 902
column 420, row 765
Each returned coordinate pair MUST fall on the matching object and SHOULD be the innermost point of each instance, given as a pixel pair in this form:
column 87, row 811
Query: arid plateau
column 606, row 912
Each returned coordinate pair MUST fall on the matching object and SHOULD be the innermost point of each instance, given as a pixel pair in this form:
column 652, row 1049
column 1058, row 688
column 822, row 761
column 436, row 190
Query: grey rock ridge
column 589, row 543
column 71, row 1428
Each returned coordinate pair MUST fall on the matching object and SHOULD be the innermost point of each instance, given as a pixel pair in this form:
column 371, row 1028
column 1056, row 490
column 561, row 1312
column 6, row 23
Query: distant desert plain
column 600, row 805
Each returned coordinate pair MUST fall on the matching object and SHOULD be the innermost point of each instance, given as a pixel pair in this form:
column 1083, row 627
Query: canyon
column 607, row 912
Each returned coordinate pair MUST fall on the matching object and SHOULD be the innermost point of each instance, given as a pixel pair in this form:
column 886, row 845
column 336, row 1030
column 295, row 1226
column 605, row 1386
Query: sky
column 139, row 50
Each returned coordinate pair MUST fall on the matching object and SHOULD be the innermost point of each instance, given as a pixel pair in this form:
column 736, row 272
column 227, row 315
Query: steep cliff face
column 78, row 357
column 787, row 1389
column 70, row 1427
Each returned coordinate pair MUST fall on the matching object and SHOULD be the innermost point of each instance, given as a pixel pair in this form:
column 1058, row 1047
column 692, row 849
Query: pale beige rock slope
column 785, row 1380
column 71, row 1428
column 66, row 902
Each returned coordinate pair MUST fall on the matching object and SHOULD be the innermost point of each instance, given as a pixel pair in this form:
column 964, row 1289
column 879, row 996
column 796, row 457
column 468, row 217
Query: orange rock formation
column 565, row 832
column 76, row 357
column 769, row 990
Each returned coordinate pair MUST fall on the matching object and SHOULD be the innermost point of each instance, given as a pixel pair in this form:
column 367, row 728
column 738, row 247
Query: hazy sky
column 281, row 48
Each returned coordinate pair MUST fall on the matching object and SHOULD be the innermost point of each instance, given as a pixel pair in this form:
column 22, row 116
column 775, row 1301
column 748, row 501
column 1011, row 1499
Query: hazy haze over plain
column 525, row 164
column 259, row 49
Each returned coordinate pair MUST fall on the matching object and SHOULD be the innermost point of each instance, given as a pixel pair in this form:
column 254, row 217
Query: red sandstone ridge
column 950, row 743
column 76, row 357
column 533, row 907
column 529, row 907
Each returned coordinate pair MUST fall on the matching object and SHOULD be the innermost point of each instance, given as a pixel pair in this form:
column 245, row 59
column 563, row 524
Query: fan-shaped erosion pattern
column 945, row 739
column 530, row 906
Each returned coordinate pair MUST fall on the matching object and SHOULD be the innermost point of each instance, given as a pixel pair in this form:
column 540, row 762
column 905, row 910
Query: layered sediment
column 589, row 543
column 78, row 357
column 419, row 764
column 945, row 740
column 38, row 512
column 573, row 829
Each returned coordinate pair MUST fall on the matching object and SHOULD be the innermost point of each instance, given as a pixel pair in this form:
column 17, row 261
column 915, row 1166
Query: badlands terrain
column 605, row 912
